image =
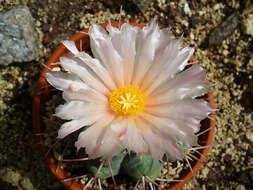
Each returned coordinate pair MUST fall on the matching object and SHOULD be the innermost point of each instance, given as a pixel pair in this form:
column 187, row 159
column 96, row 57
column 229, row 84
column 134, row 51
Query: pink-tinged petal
column 88, row 138
column 123, row 40
column 132, row 138
column 119, row 126
column 186, row 109
column 158, row 143
column 169, row 145
column 72, row 65
column 162, row 58
column 98, row 68
column 192, row 77
column 62, row 81
column 173, row 129
column 71, row 110
column 102, row 48
column 83, row 94
column 165, row 37
column 172, row 150
column 114, row 33
column 122, row 133
column 147, row 42
column 92, row 137
column 171, row 68
column 180, row 61
column 71, row 46
column 74, row 125
column 110, row 145
column 78, row 109
column 155, row 144
column 187, row 91
column 187, row 84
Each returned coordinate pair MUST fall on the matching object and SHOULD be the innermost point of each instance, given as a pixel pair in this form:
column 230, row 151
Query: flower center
column 127, row 101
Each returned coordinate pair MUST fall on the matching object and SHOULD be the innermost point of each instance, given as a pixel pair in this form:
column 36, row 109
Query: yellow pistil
column 127, row 101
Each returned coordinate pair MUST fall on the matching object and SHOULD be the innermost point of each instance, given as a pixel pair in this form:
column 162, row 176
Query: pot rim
column 39, row 99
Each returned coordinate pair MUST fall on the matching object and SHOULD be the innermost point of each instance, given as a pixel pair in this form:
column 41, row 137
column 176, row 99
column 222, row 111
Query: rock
column 224, row 30
column 240, row 187
column 139, row 4
column 6, row 186
column 46, row 39
column 248, row 25
column 26, row 184
column 247, row 95
column 187, row 9
column 243, row 177
column 142, row 4
column 249, row 136
column 194, row 21
column 247, row 21
column 18, row 39
column 15, row 178
column 251, row 174
column 46, row 27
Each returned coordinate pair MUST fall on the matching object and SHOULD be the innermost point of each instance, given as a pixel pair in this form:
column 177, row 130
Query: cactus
column 138, row 166
column 93, row 165
column 138, row 100
column 131, row 165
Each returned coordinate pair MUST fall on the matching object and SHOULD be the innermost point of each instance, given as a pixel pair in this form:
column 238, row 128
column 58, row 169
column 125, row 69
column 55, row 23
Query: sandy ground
column 224, row 47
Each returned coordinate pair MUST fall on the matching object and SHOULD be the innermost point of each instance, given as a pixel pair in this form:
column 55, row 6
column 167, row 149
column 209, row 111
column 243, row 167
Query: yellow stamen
column 127, row 101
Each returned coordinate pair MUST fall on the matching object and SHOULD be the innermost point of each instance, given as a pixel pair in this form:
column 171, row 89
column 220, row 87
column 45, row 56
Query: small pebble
column 249, row 136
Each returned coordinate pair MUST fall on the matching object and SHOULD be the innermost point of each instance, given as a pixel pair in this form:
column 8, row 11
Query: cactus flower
column 134, row 94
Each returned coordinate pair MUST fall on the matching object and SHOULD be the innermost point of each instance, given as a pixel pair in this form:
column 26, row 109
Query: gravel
column 229, row 164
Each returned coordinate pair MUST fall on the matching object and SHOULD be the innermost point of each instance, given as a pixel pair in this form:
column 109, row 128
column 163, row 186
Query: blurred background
column 220, row 30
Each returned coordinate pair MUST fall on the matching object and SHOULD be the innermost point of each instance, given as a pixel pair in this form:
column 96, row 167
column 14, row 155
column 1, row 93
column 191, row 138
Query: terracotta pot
column 42, row 95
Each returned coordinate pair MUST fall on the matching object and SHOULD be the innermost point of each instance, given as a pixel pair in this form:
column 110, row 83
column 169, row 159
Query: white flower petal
column 162, row 58
column 74, row 125
column 171, row 68
column 71, row 46
column 115, row 35
column 89, row 137
column 191, row 75
column 159, row 143
column 98, row 68
column 110, row 145
column 191, row 90
column 72, row 65
column 124, row 42
column 83, row 94
column 165, row 38
column 155, row 144
column 172, row 150
column 132, row 138
column 78, row 110
column 187, row 84
column 179, row 62
column 62, row 81
column 102, row 48
column 71, row 110
column 147, row 42
column 92, row 138
column 186, row 109
column 174, row 129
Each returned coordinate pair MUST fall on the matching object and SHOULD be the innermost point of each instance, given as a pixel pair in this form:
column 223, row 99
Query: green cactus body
column 138, row 166
column 104, row 173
